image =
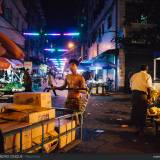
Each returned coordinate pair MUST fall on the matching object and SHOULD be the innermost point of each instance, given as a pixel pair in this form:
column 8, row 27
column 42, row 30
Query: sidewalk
column 104, row 129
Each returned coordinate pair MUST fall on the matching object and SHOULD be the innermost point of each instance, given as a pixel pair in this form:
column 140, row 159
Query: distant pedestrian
column 141, row 85
column 27, row 81
column 51, row 80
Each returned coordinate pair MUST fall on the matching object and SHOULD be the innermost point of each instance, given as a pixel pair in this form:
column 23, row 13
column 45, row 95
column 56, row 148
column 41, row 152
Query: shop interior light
column 31, row 34
column 98, row 68
column 80, row 70
column 72, row 34
column 62, row 50
column 52, row 59
column 57, row 60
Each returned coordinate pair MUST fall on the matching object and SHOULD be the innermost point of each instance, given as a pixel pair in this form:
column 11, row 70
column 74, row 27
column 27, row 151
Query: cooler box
column 64, row 126
column 40, row 99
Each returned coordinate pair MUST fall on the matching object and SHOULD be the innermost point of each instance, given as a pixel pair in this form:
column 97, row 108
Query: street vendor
column 141, row 86
column 74, row 81
column 27, row 81
column 51, row 81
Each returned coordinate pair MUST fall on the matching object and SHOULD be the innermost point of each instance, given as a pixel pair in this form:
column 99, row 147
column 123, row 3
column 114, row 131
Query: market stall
column 11, row 77
column 11, row 56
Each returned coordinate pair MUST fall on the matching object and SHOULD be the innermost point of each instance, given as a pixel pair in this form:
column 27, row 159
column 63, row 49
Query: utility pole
column 116, row 45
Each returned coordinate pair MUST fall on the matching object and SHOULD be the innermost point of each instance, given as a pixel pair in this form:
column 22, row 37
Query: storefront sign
column 28, row 65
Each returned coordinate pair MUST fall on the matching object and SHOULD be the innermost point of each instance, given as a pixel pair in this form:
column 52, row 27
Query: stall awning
column 8, row 64
column 5, row 63
column 102, row 65
column 156, row 54
column 104, row 54
column 12, row 49
column 86, row 64
column 16, row 63
column 103, row 61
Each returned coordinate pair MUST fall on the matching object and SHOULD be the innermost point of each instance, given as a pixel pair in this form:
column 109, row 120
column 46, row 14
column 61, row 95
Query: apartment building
column 117, row 38
column 12, row 20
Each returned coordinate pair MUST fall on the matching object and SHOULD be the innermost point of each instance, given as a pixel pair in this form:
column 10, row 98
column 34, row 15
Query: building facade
column 117, row 38
column 36, row 24
column 12, row 20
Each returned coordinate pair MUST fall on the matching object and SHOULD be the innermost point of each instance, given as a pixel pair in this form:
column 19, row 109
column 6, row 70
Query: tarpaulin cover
column 11, row 47
column 4, row 63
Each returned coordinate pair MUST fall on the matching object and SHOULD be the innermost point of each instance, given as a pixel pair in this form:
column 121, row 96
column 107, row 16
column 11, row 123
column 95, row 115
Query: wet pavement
column 106, row 130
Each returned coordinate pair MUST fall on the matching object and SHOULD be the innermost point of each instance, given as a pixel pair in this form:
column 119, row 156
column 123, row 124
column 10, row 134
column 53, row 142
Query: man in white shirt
column 141, row 85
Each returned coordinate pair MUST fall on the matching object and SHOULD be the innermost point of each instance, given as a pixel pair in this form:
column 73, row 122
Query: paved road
column 105, row 131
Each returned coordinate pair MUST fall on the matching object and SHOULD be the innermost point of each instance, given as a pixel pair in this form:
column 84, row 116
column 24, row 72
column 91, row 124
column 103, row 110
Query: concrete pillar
column 154, row 69
column 121, row 69
column 104, row 75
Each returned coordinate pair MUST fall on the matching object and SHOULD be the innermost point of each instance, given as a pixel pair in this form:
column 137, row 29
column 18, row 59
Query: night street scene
column 80, row 79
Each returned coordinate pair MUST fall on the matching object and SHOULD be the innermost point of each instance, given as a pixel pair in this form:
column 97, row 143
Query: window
column 103, row 31
column 100, row 34
column 138, row 12
column 23, row 27
column 157, row 68
column 8, row 14
column 109, row 21
column 17, row 23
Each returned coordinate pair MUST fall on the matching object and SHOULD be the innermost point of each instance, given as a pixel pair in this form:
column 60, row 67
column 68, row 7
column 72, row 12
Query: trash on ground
column 134, row 140
column 119, row 119
column 124, row 126
column 99, row 131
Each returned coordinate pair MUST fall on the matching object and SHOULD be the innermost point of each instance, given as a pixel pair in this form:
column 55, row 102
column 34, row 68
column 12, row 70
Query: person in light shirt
column 141, row 86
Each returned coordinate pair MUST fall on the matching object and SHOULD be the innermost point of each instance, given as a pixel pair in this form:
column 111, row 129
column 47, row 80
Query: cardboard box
column 40, row 99
column 50, row 146
column 36, row 132
column 40, row 116
column 64, row 126
column 29, row 115
column 12, row 142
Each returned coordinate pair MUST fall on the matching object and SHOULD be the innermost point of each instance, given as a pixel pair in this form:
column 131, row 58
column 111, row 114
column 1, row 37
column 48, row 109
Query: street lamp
column 71, row 45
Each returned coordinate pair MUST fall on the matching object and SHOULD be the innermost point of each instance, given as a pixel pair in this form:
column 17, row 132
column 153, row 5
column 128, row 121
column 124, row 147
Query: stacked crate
column 27, row 109
column 64, row 128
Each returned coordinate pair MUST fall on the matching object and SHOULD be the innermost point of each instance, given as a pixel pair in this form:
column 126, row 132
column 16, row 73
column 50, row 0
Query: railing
column 49, row 139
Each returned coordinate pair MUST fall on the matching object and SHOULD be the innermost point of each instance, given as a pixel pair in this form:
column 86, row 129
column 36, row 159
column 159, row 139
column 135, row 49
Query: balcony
column 138, row 33
column 135, row 27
